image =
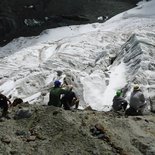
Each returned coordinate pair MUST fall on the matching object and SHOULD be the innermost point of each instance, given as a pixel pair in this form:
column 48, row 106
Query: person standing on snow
column 137, row 102
column 119, row 102
column 55, row 94
column 4, row 104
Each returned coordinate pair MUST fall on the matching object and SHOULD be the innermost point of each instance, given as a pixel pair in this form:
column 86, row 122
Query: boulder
column 23, row 113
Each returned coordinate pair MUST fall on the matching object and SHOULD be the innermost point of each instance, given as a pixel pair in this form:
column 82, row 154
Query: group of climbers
column 137, row 102
column 63, row 96
column 59, row 96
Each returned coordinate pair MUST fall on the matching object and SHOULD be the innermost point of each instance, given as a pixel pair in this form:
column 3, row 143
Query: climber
column 55, row 94
column 69, row 99
column 4, row 104
column 119, row 103
column 137, row 102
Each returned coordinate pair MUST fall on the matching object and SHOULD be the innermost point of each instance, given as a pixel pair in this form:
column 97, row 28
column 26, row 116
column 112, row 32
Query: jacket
column 54, row 97
column 137, row 99
column 118, row 101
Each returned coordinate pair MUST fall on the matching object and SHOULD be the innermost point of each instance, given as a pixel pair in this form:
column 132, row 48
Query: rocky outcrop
column 27, row 18
column 53, row 131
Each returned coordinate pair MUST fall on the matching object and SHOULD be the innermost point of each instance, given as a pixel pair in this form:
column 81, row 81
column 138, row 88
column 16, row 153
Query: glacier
column 97, row 59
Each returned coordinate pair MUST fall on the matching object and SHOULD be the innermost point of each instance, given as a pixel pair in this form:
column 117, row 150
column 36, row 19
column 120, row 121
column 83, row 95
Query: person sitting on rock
column 70, row 99
column 55, row 94
column 137, row 102
column 119, row 103
column 4, row 104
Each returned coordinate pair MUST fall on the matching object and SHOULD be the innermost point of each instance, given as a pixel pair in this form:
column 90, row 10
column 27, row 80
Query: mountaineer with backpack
column 55, row 94
column 137, row 102
column 70, row 99
column 119, row 103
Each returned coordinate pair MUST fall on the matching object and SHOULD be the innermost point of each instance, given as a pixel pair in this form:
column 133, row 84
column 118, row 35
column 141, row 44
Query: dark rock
column 151, row 151
column 55, row 113
column 23, row 133
column 27, row 18
column 6, row 139
column 31, row 138
column 14, row 152
column 100, row 127
column 17, row 101
column 89, row 108
column 23, row 113
column 140, row 145
column 59, row 73
column 137, row 118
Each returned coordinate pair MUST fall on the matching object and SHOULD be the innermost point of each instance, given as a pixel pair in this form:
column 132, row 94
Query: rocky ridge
column 53, row 131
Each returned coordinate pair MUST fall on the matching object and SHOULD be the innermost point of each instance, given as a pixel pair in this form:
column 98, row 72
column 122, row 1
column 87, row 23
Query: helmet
column 136, row 87
column 57, row 83
column 118, row 93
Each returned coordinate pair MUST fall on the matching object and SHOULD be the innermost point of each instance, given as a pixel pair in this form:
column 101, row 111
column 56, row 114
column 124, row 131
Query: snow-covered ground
column 83, row 53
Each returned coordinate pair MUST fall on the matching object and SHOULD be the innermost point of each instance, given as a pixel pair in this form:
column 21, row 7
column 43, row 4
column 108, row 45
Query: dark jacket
column 137, row 99
column 4, row 101
column 119, row 103
column 54, row 97
column 68, row 97
column 4, row 104
column 68, row 100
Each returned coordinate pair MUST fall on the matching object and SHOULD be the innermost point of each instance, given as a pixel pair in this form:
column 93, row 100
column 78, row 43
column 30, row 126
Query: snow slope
column 83, row 54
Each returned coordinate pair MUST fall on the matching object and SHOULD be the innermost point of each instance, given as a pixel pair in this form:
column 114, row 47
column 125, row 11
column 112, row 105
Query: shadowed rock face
column 30, row 17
